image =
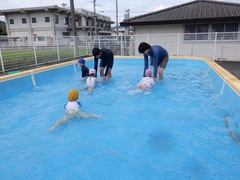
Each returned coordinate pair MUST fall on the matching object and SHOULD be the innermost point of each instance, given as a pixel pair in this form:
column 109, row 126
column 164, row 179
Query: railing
column 24, row 52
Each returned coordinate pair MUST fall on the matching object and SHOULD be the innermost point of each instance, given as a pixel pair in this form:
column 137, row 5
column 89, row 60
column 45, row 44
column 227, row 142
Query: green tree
column 3, row 28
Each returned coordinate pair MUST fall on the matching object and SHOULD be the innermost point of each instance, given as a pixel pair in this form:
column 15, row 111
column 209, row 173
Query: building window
column 41, row 38
column 24, row 20
column 66, row 20
column 66, row 34
column 87, row 23
column 223, row 29
column 11, row 21
column 196, row 32
column 56, row 19
column 47, row 19
column 34, row 20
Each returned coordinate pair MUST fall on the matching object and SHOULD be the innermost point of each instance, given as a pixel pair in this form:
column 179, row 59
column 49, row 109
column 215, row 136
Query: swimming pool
column 185, row 127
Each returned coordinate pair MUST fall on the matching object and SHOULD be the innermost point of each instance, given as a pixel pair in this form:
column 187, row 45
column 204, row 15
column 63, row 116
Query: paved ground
column 231, row 66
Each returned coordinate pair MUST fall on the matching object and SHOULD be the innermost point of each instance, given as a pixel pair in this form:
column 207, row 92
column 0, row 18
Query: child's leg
column 90, row 90
column 63, row 119
column 83, row 87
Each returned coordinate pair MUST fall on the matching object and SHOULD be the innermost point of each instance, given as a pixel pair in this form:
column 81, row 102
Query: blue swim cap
column 81, row 60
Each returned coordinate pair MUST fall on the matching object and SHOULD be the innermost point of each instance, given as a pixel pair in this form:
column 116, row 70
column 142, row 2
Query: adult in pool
column 159, row 58
column 107, row 60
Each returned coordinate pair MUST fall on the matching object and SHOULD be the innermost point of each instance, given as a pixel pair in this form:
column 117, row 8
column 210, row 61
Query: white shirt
column 72, row 106
column 146, row 82
column 91, row 81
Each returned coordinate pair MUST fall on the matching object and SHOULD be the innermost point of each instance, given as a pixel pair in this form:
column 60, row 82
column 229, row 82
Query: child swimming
column 72, row 109
column 147, row 81
column 91, row 81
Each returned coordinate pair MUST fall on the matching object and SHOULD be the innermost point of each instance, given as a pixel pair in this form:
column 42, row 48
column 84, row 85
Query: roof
column 31, row 9
column 191, row 12
column 55, row 8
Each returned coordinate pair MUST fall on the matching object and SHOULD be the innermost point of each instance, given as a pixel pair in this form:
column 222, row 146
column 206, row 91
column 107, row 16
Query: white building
column 42, row 24
column 193, row 25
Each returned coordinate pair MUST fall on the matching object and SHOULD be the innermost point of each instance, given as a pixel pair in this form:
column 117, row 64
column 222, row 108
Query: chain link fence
column 18, row 53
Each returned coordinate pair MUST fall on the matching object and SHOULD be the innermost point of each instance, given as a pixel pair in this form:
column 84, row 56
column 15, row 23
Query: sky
column 104, row 7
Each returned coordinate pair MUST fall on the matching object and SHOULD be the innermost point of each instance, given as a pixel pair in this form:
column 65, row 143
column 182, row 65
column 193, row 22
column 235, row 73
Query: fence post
column 1, row 60
column 58, row 54
column 86, row 45
column 178, row 44
column 192, row 49
column 121, row 45
column 35, row 55
column 222, row 49
column 215, row 46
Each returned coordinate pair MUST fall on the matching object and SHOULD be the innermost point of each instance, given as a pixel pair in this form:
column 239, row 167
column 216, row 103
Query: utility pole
column 127, row 16
column 117, row 17
column 74, row 29
column 95, row 17
column 73, row 18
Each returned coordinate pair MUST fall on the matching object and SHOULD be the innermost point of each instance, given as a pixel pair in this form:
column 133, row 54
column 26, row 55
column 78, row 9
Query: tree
column 3, row 28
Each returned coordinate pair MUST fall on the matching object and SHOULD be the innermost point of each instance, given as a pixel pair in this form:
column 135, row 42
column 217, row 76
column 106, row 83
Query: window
column 56, row 19
column 66, row 34
column 87, row 23
column 47, row 19
column 202, row 31
column 34, row 20
column 11, row 21
column 24, row 20
column 66, row 21
column 41, row 38
column 231, row 27
column 228, row 27
column 196, row 32
column 189, row 30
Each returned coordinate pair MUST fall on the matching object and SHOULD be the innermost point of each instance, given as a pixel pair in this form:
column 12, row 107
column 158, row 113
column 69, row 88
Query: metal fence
column 26, row 52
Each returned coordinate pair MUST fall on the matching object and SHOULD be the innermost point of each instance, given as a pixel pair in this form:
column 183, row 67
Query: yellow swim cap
column 73, row 95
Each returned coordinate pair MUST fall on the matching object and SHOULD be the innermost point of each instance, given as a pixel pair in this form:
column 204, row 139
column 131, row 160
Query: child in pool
column 91, row 81
column 72, row 109
column 147, row 81
column 84, row 68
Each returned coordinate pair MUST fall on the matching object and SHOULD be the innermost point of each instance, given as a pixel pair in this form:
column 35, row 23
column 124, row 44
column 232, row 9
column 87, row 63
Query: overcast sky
column 105, row 7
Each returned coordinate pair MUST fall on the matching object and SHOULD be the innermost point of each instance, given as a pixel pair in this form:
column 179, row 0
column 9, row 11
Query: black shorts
column 108, row 63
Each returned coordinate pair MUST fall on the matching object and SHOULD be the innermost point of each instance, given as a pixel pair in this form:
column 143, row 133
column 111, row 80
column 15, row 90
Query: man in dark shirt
column 84, row 68
column 107, row 59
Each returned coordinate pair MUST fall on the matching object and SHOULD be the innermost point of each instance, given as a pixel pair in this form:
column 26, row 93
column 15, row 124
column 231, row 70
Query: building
column 41, row 24
column 199, row 22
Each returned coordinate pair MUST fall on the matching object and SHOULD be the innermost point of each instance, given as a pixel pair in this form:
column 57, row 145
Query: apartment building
column 41, row 24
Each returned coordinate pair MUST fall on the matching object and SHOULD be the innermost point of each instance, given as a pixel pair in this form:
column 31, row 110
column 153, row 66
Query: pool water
column 179, row 129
